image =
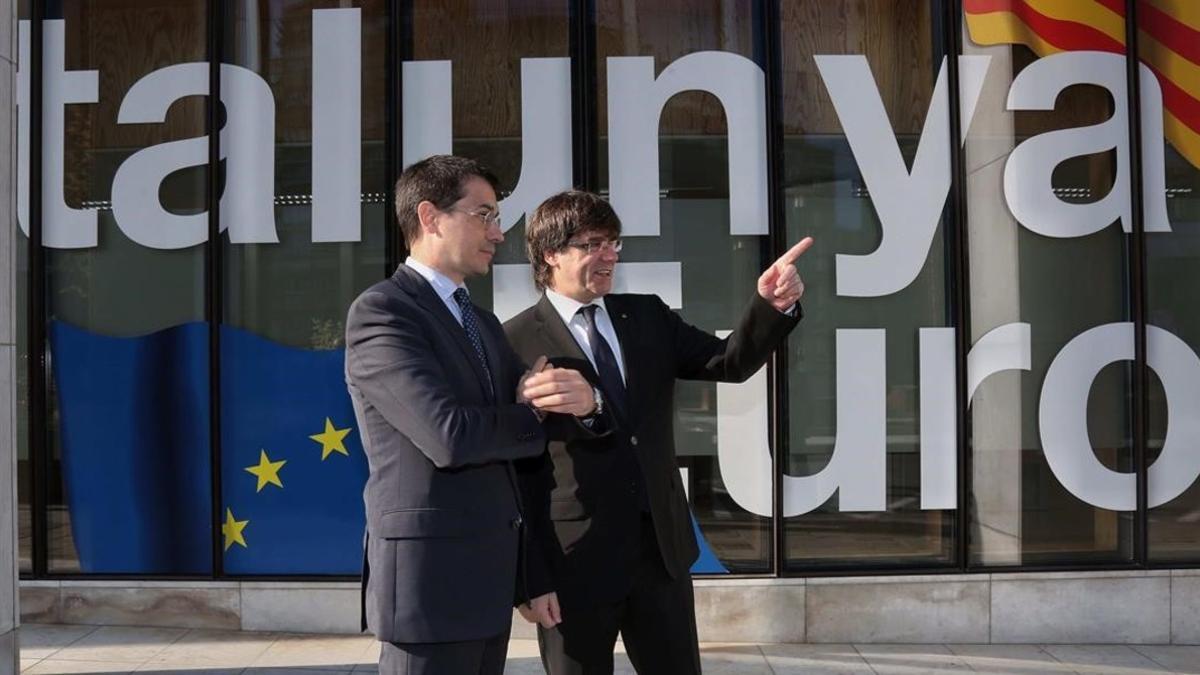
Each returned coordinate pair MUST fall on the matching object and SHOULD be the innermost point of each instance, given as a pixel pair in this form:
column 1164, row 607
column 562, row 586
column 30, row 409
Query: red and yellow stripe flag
column 1168, row 42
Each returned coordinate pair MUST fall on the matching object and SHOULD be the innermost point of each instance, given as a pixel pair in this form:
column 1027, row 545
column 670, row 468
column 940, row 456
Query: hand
column 538, row 366
column 560, row 390
column 542, row 610
column 780, row 284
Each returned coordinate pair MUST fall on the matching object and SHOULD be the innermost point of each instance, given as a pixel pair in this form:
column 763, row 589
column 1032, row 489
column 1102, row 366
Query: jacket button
column 633, row 440
column 516, row 523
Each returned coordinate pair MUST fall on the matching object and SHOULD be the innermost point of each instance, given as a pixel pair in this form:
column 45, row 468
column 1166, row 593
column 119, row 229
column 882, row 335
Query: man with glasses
column 436, row 392
column 610, row 513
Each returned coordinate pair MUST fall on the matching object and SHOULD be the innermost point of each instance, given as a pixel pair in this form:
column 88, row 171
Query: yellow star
column 266, row 471
column 232, row 529
column 331, row 440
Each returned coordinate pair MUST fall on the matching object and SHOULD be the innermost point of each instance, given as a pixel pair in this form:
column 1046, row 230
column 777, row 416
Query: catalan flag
column 1168, row 43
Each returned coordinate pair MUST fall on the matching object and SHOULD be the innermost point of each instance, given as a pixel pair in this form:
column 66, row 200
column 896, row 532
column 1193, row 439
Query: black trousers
column 656, row 620
column 482, row 657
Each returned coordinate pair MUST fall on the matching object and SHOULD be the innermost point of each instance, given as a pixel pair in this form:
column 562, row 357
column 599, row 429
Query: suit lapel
column 555, row 334
column 427, row 299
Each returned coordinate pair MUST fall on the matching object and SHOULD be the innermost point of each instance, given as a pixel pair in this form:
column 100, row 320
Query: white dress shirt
column 568, row 309
column 442, row 285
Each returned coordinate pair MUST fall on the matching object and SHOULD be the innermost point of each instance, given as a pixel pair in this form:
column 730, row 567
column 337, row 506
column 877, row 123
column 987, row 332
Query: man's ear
column 427, row 215
column 550, row 258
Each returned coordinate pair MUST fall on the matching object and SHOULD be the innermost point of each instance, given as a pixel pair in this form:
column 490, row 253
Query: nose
column 607, row 253
column 495, row 234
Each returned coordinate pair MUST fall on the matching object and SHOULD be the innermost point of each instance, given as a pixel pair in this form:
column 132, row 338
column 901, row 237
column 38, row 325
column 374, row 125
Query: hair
column 560, row 218
column 438, row 179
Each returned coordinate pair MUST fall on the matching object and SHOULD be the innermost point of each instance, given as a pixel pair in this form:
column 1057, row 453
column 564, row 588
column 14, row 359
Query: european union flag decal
column 707, row 562
column 292, row 464
column 133, row 428
column 133, row 415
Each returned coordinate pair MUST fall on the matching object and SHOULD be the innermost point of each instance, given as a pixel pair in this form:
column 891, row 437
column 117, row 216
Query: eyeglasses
column 597, row 245
column 487, row 216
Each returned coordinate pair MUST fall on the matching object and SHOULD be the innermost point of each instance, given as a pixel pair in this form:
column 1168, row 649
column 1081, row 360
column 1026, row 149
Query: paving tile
column 111, row 650
column 64, row 666
column 621, row 663
column 905, row 659
column 523, row 658
column 369, row 661
column 147, row 668
column 121, row 643
column 1178, row 658
column 38, row 641
column 1009, row 659
column 271, row 670
column 739, row 659
column 215, row 649
column 1106, row 659
column 518, row 649
column 523, row 666
column 317, row 652
column 823, row 659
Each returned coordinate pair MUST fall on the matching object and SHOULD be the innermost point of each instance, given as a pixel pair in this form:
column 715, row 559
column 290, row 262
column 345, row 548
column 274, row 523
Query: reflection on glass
column 127, row 346
column 851, row 326
column 292, row 461
column 488, row 51
column 1027, row 269
column 717, row 269
column 1172, row 280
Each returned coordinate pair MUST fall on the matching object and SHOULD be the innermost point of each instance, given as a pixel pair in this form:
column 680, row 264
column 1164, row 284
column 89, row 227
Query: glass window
column 859, row 114
column 670, row 176
column 124, row 223
column 24, row 465
column 21, row 333
column 306, row 123
column 508, row 95
column 1172, row 282
column 1049, row 291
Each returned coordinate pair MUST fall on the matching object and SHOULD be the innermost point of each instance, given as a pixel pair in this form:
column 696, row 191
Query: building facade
column 997, row 371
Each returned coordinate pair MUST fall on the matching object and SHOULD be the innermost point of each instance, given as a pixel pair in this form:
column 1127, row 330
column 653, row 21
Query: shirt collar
column 567, row 308
column 442, row 285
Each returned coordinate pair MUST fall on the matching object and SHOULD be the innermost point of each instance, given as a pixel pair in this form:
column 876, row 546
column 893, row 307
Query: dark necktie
column 606, row 363
column 471, row 328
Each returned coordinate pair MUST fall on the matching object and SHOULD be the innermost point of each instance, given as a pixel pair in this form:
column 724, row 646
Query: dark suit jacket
column 443, row 510
column 581, row 497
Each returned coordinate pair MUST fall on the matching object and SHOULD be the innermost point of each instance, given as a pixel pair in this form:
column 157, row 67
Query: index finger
column 795, row 252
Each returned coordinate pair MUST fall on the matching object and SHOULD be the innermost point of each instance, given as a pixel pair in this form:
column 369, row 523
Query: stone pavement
column 112, row 649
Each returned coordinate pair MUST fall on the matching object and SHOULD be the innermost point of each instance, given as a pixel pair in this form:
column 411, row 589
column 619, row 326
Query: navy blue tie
column 606, row 363
column 471, row 327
